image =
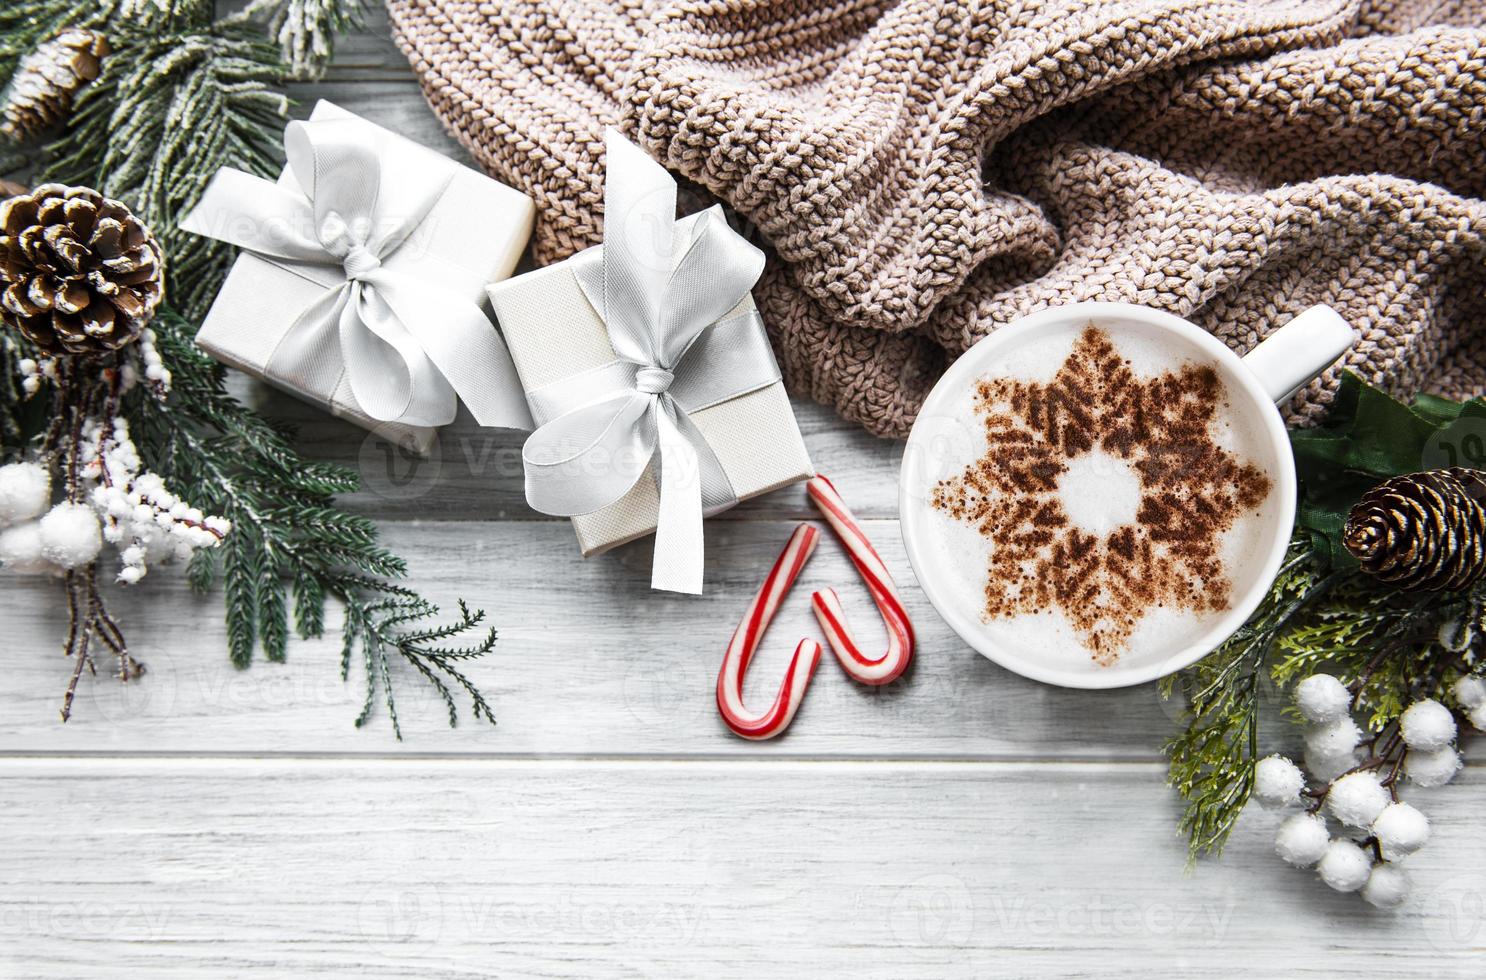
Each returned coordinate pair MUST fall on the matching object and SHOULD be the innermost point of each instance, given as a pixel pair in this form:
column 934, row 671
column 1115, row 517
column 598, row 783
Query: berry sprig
column 104, row 496
column 1352, row 784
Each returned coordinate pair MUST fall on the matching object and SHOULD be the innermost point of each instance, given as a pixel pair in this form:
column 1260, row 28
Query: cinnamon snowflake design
column 1191, row 491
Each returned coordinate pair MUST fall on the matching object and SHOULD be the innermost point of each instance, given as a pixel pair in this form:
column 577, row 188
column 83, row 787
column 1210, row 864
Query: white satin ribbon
column 661, row 287
column 400, row 325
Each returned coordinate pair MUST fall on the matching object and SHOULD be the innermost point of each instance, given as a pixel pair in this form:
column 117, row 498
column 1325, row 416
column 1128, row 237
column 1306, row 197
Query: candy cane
column 746, row 640
column 827, row 604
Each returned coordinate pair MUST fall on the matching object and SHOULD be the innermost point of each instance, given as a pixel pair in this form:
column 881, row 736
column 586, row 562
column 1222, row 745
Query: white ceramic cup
column 1268, row 375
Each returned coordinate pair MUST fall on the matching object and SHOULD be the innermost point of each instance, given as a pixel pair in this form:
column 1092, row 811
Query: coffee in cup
column 1097, row 494
column 1110, row 495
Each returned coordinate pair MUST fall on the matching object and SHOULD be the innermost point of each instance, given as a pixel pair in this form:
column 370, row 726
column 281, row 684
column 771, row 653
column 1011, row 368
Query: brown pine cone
column 81, row 274
column 45, row 81
column 1423, row 532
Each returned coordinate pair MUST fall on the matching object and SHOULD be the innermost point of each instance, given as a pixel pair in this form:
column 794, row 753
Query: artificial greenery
column 1369, row 437
column 180, row 95
column 1323, row 613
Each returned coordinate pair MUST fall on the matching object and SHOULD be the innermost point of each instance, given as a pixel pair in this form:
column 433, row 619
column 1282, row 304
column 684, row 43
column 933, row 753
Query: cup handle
column 1288, row 359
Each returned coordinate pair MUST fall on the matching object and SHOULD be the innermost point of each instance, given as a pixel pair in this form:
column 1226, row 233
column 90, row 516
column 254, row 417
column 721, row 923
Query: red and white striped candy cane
column 827, row 605
column 746, row 640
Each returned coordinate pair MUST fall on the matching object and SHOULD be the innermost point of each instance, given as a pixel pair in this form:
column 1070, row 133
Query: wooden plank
column 369, row 54
column 446, row 869
column 397, row 105
column 590, row 662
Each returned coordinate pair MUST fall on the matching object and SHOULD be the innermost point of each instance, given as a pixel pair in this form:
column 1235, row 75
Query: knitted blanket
column 924, row 171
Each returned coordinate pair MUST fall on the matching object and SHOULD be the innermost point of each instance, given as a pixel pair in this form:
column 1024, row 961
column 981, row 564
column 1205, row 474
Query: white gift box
column 477, row 227
column 554, row 333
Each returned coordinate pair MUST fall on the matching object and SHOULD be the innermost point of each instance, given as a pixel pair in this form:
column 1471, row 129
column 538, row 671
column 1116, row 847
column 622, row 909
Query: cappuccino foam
column 1099, row 493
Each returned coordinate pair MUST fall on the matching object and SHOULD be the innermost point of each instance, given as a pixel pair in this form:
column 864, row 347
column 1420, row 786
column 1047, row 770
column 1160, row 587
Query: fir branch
column 1380, row 643
column 168, row 111
column 1211, row 760
column 305, row 30
column 180, row 96
column 20, row 418
column 1390, row 648
column 379, row 624
column 25, row 24
column 289, row 537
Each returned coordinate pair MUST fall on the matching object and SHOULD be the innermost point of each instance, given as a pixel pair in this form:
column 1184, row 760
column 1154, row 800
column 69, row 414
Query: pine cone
column 80, row 273
column 44, row 83
column 1424, row 531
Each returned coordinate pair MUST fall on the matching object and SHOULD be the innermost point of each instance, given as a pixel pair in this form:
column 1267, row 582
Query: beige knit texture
column 927, row 170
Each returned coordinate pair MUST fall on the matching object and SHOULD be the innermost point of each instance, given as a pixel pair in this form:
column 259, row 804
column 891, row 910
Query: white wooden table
column 963, row 822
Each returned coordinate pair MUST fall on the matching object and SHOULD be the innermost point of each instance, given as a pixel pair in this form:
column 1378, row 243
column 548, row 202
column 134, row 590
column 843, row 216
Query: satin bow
column 401, row 325
column 663, row 288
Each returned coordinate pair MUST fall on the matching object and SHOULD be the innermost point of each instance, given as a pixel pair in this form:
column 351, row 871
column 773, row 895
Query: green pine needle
column 164, row 115
column 1211, row 761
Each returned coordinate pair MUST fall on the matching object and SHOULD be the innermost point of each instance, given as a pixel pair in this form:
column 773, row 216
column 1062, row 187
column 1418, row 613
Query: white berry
column 1344, row 866
column 20, row 549
column 1302, row 839
column 1401, row 829
column 1433, row 767
column 1321, row 697
column 1470, row 691
column 1387, row 887
column 1277, row 781
column 1427, row 725
column 1328, row 767
column 1357, row 798
column 70, row 535
column 1477, row 717
column 25, row 491
column 1332, row 738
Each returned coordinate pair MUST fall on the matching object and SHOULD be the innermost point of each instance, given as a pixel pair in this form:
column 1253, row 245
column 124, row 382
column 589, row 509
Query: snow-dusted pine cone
column 1422, row 532
column 45, row 81
column 80, row 273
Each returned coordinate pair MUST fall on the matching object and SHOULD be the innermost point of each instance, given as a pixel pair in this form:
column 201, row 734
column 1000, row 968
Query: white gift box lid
column 477, row 224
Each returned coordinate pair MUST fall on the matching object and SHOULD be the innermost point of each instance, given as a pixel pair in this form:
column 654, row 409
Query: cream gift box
column 554, row 333
column 476, row 228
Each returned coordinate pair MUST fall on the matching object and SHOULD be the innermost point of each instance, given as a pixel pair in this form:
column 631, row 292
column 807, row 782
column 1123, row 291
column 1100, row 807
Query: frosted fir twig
column 304, row 30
